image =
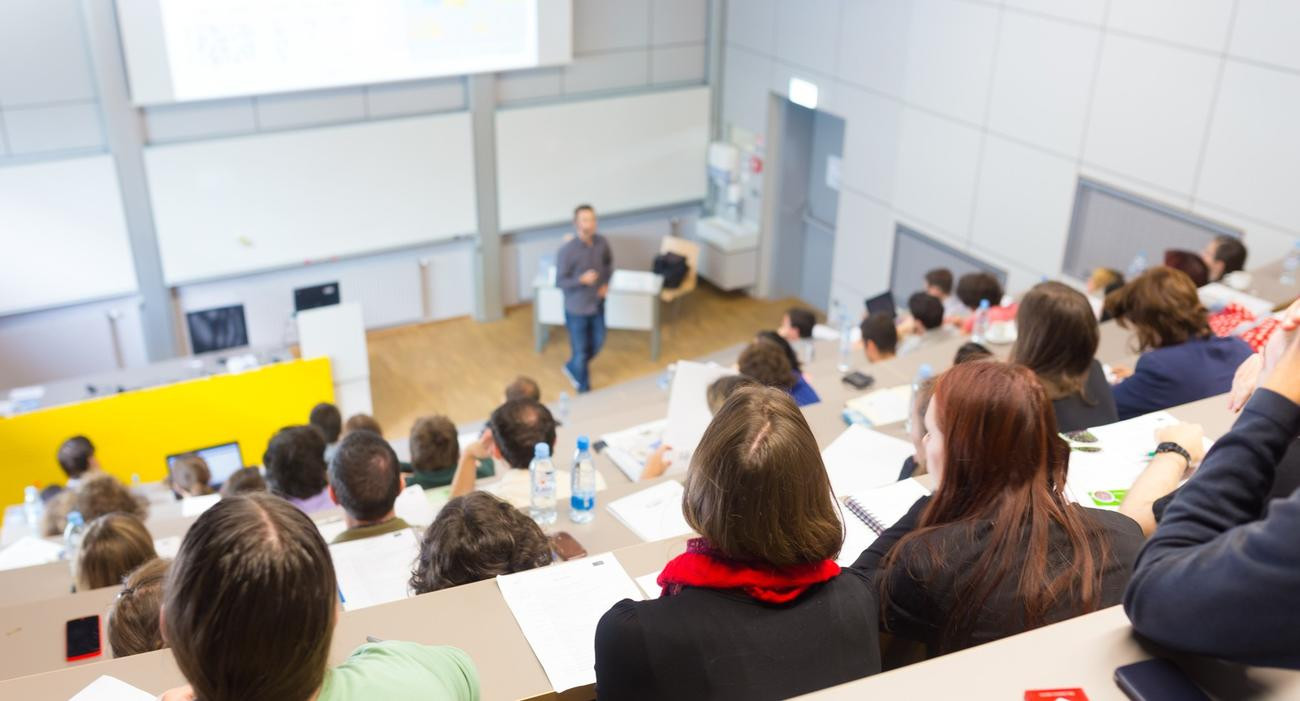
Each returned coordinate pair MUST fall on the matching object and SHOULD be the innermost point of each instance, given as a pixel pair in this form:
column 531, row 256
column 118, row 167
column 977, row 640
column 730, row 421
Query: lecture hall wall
column 50, row 109
column 971, row 121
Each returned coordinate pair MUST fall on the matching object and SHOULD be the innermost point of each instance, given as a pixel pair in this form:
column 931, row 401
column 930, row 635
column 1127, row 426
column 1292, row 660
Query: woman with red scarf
column 757, row 607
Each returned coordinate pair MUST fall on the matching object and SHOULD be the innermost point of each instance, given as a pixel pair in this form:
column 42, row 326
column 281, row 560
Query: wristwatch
column 1171, row 447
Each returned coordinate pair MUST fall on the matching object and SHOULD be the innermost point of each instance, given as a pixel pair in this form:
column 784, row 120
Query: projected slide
column 179, row 50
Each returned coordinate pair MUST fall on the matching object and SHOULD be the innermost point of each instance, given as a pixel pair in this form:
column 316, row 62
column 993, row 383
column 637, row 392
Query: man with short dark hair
column 584, row 267
column 1223, row 255
column 325, row 417
column 524, row 387
column 365, row 479
column 513, row 430
column 938, row 284
column 879, row 338
column 77, row 459
column 435, row 451
column 974, row 288
column 797, row 324
column 925, row 327
column 766, row 364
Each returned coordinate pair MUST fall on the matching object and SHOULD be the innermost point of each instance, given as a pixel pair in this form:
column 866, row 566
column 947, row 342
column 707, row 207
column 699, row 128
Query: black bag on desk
column 672, row 267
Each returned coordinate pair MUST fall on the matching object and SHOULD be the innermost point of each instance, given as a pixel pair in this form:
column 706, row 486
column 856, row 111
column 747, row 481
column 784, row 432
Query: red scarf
column 702, row 566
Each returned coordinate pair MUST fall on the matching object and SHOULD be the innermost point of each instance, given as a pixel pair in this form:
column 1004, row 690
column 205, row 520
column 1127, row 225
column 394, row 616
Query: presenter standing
column 584, row 266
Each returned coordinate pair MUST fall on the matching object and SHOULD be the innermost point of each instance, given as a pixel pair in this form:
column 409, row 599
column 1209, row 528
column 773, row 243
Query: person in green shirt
column 249, row 609
column 435, row 450
column 365, row 479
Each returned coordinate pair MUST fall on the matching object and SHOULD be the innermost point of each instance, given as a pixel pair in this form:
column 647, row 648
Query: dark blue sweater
column 1216, row 579
column 1174, row 375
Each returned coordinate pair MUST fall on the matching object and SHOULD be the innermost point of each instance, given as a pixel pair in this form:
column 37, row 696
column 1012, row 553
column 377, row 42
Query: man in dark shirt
column 583, row 269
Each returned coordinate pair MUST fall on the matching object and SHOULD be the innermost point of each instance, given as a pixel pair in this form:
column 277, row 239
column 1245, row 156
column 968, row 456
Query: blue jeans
column 586, row 336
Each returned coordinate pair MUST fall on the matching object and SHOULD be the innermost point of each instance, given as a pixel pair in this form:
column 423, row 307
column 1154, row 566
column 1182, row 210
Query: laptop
column 223, row 460
column 882, row 304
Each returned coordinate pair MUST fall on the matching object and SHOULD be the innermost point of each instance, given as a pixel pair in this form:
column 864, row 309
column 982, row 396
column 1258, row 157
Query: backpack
column 672, row 267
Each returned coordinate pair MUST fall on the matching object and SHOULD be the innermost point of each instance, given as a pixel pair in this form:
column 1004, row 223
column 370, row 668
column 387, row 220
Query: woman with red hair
column 998, row 549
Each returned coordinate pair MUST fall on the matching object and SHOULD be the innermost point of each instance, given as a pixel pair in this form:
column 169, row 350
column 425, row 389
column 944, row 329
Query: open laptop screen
column 223, row 460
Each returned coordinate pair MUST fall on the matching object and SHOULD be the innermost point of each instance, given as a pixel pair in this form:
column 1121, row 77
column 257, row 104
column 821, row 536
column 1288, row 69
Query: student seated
column 1103, row 281
column 77, row 460
column 1223, row 255
column 938, row 284
column 974, row 288
column 524, row 388
column 971, row 351
column 362, row 422
column 1189, row 263
column 132, row 624
column 476, row 537
column 914, row 465
column 247, row 480
column 514, row 429
column 756, row 608
column 98, row 494
column 879, row 338
column 721, row 389
column 1149, row 496
column 365, row 480
column 998, row 549
column 189, row 476
column 112, row 546
column 1058, row 339
column 1182, row 361
column 797, row 324
column 803, row 393
column 435, row 449
column 325, row 417
column 925, row 327
column 296, row 470
column 1220, row 574
column 249, row 608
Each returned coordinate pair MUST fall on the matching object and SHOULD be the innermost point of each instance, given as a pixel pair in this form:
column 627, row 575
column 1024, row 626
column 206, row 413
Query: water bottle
column 1138, row 265
column 541, row 474
column 980, row 329
column 582, row 496
column 72, row 538
column 923, row 373
column 32, row 507
column 846, row 339
column 563, row 407
column 1290, row 265
column 806, row 350
column 665, row 381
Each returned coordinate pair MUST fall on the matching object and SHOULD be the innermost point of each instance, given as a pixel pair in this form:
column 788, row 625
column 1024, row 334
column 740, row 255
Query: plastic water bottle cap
column 584, row 443
column 75, row 519
column 984, row 304
column 541, row 450
column 30, row 491
column 925, row 372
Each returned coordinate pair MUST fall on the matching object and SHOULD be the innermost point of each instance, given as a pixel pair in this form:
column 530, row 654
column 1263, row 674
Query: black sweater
column 1216, row 578
column 922, row 597
column 1074, row 413
column 715, row 644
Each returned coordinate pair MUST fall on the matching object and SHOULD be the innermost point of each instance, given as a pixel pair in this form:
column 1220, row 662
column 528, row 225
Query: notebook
column 688, row 408
column 630, row 448
column 882, row 507
column 861, row 458
column 654, row 513
column 884, row 406
column 1104, row 465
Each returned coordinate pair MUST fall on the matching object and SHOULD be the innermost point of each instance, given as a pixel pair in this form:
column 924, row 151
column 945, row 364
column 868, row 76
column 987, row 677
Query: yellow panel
column 134, row 432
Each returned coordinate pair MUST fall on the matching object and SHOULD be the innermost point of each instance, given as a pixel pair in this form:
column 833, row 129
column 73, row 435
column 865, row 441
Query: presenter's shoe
column 568, row 375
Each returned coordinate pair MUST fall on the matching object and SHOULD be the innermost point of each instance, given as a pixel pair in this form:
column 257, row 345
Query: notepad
column 861, row 458
column 654, row 513
column 558, row 607
column 882, row 507
column 107, row 688
column 649, row 583
column 167, row 547
column 28, row 551
column 413, row 507
column 374, row 570
column 884, row 406
column 1101, row 478
column 630, row 448
column 688, row 408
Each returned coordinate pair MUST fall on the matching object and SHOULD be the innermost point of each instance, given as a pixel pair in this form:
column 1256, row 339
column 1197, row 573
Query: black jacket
column 1074, row 413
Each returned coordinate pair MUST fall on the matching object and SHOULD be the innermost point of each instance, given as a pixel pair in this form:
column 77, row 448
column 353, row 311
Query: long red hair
column 1004, row 468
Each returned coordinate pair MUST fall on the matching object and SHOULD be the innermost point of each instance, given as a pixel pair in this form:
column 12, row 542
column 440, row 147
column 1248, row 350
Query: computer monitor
column 223, row 460
column 882, row 303
column 217, row 329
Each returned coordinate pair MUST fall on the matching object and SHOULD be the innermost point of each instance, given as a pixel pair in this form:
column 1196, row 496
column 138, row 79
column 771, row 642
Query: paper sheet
column 331, row 527
column 649, row 583
column 167, row 547
column 886, row 505
column 857, row 537
column 108, row 688
column 193, row 506
column 558, row 607
column 413, row 507
column 28, row 551
column 374, row 570
column 654, row 513
column 861, row 458
column 884, row 406
column 630, row 448
column 688, row 409
column 1101, row 479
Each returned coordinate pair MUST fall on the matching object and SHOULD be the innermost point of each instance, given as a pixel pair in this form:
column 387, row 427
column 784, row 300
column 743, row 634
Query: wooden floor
column 460, row 367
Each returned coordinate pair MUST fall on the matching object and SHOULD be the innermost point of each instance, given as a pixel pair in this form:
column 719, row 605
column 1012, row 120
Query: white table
column 632, row 304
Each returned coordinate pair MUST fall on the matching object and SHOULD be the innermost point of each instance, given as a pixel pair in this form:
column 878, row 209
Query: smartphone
column 1157, row 680
column 599, row 447
column 858, row 380
column 83, row 638
column 566, row 547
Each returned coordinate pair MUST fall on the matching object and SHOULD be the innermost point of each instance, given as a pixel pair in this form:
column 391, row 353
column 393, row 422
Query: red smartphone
column 566, row 547
column 83, row 639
